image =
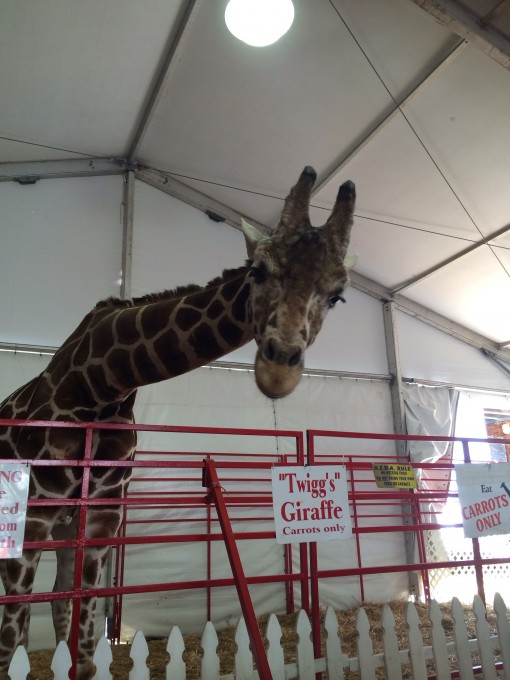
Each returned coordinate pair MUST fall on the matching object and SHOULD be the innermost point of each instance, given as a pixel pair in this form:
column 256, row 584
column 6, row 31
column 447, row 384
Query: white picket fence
column 446, row 656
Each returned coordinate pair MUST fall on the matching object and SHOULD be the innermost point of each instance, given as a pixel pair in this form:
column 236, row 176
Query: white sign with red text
column 14, row 480
column 310, row 503
column 484, row 497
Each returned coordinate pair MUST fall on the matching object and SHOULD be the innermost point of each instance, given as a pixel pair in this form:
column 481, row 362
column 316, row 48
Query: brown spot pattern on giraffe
column 8, row 637
column 82, row 352
column 145, row 364
column 230, row 290
column 203, row 340
column 187, row 317
column 121, row 368
column 103, row 341
column 230, row 331
column 215, row 310
column 240, row 303
column 29, row 440
column 168, row 352
column 203, row 299
column 125, row 327
column 28, row 578
column 99, row 383
column 152, row 322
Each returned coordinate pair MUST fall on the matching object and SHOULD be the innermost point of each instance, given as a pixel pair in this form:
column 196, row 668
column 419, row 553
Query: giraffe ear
column 350, row 261
column 252, row 236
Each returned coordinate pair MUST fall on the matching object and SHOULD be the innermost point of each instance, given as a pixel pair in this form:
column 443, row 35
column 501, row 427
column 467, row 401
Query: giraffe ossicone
column 300, row 273
column 280, row 298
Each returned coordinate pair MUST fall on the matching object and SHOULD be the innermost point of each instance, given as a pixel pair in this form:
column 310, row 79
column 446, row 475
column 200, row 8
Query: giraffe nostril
column 295, row 358
column 281, row 354
column 269, row 350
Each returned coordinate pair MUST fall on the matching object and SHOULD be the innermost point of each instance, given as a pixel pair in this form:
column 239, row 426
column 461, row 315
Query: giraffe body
column 279, row 298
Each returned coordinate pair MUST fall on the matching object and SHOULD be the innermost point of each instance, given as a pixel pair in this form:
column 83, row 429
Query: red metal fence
column 240, row 480
column 412, row 513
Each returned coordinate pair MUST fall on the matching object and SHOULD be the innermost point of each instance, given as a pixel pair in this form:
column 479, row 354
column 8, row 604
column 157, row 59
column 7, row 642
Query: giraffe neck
column 149, row 339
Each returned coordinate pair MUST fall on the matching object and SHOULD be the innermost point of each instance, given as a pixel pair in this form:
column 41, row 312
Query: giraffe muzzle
column 282, row 354
column 277, row 379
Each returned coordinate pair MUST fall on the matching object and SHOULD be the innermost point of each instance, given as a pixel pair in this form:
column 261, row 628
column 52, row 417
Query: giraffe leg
column 64, row 580
column 102, row 523
column 17, row 576
column 93, row 565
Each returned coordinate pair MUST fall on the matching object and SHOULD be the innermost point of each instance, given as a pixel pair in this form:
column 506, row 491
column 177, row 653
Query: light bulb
column 259, row 22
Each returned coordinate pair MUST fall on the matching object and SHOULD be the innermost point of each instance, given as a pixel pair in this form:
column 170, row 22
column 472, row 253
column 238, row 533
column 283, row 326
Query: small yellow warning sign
column 394, row 475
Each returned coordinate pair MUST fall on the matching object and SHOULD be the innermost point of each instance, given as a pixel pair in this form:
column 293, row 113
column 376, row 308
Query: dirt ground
column 158, row 657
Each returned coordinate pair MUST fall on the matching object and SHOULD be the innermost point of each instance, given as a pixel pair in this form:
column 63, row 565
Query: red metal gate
column 175, row 480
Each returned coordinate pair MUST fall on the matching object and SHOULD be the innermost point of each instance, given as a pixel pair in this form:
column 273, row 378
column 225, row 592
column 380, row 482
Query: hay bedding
column 158, row 657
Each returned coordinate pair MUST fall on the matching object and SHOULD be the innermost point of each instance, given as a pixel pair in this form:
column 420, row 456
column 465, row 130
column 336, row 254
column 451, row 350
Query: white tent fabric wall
column 61, row 253
column 429, row 411
column 175, row 244
column 426, row 353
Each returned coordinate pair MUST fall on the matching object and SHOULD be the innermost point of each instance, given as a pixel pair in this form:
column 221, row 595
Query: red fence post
column 213, row 483
column 313, row 566
column 80, row 549
column 477, row 555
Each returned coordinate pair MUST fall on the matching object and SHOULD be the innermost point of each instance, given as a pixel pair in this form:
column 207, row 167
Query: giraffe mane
column 179, row 292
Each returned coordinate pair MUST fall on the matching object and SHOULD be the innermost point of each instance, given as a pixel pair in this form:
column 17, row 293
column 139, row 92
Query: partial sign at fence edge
column 14, row 483
column 484, row 497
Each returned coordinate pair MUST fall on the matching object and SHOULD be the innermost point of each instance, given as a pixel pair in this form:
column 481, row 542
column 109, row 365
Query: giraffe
column 279, row 297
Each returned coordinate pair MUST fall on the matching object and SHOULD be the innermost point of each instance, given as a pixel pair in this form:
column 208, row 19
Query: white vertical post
column 128, row 202
column 397, row 402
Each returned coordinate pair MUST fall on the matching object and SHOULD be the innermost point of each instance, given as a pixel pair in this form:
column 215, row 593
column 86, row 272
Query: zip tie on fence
column 217, row 485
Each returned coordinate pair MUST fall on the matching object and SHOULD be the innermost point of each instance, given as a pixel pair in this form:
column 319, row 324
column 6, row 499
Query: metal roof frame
column 32, row 172
column 478, row 28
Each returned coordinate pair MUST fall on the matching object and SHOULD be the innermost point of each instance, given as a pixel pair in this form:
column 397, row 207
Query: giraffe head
column 299, row 274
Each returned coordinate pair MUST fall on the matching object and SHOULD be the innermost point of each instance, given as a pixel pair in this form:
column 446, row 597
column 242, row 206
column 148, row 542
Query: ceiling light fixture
column 259, row 22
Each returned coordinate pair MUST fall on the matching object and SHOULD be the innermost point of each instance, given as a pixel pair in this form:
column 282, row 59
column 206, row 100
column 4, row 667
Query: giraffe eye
column 334, row 299
column 259, row 273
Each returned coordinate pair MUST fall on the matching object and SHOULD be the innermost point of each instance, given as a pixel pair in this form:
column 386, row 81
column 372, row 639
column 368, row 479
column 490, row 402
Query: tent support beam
column 162, row 76
column 426, row 315
column 43, row 350
column 128, row 202
column 399, row 427
column 460, row 19
column 392, row 353
column 495, row 360
column 173, row 187
column 33, row 171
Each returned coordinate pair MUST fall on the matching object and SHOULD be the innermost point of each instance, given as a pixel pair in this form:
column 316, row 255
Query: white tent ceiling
column 377, row 91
